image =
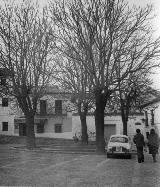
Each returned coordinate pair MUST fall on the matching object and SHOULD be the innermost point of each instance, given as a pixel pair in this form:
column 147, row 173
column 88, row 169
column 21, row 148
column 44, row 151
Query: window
column 58, row 106
column 4, row 102
column 16, row 126
column 137, row 123
column 146, row 118
column 3, row 81
column 4, row 126
column 119, row 139
column 58, row 128
column 152, row 117
column 43, row 107
column 40, row 128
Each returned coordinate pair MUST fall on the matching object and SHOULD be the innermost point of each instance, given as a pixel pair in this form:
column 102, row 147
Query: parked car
column 119, row 145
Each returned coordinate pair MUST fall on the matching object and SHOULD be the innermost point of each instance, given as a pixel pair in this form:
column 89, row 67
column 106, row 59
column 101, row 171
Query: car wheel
column 108, row 156
column 129, row 156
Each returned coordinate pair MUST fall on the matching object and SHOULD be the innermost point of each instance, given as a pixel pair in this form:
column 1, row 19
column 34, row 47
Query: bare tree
column 115, row 39
column 131, row 94
column 73, row 77
column 25, row 53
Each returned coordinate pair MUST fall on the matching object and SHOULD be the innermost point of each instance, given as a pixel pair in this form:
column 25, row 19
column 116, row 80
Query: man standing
column 139, row 141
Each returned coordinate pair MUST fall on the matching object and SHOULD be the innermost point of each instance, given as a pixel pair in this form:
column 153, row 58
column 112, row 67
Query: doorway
column 22, row 129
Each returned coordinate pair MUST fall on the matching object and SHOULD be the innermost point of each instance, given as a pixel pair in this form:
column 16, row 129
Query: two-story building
column 53, row 118
column 6, row 116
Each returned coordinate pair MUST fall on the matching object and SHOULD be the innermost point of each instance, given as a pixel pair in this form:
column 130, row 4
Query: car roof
column 119, row 135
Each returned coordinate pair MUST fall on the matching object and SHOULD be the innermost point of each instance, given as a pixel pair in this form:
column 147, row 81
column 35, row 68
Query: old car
column 119, row 145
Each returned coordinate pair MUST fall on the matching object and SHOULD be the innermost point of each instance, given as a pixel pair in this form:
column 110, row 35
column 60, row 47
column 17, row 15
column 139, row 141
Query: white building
column 6, row 114
column 113, row 125
column 152, row 115
column 53, row 119
column 6, row 117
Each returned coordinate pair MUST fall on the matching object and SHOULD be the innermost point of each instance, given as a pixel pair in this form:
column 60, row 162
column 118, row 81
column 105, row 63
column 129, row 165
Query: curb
column 52, row 150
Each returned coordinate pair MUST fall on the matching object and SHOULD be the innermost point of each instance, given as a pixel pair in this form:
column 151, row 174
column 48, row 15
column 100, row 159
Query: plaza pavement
column 20, row 167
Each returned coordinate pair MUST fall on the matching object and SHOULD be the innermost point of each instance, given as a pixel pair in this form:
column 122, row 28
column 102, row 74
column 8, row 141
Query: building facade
column 6, row 117
column 112, row 125
column 52, row 119
column 152, row 115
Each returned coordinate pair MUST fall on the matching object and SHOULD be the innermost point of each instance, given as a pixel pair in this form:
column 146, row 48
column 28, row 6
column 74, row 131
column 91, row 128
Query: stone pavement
column 44, row 168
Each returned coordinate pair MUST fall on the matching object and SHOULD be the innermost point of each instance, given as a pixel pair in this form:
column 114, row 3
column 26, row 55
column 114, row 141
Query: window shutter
column 58, row 106
column 43, row 107
column 4, row 102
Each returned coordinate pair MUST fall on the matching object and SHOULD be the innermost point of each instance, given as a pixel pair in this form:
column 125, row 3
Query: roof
column 152, row 96
column 153, row 101
column 56, row 90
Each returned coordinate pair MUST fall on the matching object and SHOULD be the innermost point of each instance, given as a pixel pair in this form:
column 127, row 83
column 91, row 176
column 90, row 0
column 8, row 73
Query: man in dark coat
column 139, row 141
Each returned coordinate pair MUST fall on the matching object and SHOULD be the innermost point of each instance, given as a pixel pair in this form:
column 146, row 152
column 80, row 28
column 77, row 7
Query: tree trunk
column 30, row 138
column 125, row 129
column 99, row 123
column 124, row 120
column 84, row 137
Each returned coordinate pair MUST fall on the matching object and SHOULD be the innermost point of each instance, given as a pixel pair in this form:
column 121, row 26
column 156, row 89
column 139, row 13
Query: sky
column 156, row 27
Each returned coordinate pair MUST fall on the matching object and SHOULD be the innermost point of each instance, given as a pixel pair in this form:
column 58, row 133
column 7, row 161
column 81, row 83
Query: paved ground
column 46, row 168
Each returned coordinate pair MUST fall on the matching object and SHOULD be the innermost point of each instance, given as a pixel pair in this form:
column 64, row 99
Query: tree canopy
column 26, row 51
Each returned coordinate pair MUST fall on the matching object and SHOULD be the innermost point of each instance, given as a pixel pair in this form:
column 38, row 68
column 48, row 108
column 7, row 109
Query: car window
column 119, row 139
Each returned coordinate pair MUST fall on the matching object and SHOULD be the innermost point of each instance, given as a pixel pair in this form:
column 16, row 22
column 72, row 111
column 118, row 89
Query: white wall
column 10, row 120
column 156, row 108
column 66, row 122
column 157, row 114
column 66, row 135
column 76, row 124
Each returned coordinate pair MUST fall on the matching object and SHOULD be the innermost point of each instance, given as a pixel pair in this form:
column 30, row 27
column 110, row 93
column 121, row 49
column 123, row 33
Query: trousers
column 140, row 154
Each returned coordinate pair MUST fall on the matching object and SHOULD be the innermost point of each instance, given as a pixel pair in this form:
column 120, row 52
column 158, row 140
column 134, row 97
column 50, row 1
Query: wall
column 76, row 124
column 116, row 119
column 7, row 114
column 157, row 114
column 5, row 117
column 66, row 124
column 49, row 128
column 50, row 103
column 156, row 110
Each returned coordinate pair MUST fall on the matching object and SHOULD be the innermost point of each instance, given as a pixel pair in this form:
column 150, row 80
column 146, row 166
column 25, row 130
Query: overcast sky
column 156, row 26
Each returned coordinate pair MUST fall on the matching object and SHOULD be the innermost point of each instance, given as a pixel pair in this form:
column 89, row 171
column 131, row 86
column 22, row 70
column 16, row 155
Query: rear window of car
column 119, row 139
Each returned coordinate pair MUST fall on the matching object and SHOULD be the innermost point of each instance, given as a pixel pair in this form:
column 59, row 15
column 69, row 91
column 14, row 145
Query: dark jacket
column 153, row 140
column 139, row 140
